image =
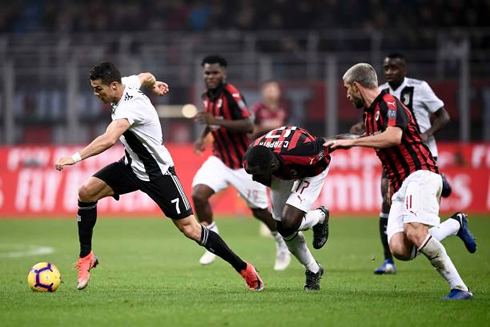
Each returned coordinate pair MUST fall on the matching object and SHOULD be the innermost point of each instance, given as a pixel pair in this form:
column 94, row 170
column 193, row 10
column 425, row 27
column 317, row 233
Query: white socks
column 448, row 228
column 436, row 253
column 297, row 246
column 213, row 227
column 311, row 218
column 280, row 244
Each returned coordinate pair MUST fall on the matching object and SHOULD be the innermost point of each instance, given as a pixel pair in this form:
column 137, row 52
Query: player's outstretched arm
column 100, row 144
column 150, row 82
column 392, row 136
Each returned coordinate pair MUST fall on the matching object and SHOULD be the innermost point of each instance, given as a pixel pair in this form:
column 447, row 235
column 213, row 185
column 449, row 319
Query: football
column 44, row 277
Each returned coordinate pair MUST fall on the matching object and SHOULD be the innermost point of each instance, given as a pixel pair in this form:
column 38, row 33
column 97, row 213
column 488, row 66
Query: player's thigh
column 421, row 198
column 395, row 218
column 114, row 179
column 169, row 195
column 213, row 173
column 306, row 191
column 280, row 192
column 255, row 194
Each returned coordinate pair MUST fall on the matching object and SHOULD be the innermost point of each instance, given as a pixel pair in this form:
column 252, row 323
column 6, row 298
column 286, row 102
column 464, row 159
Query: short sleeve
column 238, row 108
column 428, row 98
column 132, row 82
column 129, row 110
column 395, row 115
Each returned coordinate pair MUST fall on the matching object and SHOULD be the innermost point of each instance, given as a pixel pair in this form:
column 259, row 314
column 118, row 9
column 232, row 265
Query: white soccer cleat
column 207, row 258
column 283, row 259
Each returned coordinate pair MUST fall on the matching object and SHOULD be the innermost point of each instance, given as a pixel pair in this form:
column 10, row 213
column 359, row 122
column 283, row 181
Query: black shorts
column 165, row 190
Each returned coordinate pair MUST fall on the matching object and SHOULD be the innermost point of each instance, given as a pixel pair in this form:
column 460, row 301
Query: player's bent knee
column 85, row 194
column 199, row 198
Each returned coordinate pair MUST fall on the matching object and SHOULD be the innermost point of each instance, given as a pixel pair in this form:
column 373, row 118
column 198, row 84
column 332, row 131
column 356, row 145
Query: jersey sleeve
column 395, row 115
column 131, row 82
column 428, row 98
column 131, row 111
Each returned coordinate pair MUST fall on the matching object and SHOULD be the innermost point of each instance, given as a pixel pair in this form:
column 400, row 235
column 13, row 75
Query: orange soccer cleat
column 84, row 265
column 252, row 278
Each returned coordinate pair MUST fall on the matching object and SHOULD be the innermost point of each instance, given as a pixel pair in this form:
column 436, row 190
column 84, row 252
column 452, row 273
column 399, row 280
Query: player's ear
column 114, row 86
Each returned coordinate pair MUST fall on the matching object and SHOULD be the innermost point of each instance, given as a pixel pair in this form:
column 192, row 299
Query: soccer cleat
column 313, row 280
column 320, row 230
column 84, row 265
column 456, row 294
column 388, row 267
column 207, row 258
column 464, row 233
column 283, row 259
column 252, row 278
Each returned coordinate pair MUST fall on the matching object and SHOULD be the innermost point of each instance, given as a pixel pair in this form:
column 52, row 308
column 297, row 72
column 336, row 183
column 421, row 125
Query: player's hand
column 333, row 145
column 63, row 161
column 160, row 88
column 357, row 128
column 204, row 118
column 425, row 137
column 199, row 147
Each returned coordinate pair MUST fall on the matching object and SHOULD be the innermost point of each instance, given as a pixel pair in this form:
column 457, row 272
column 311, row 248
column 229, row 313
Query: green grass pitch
column 149, row 275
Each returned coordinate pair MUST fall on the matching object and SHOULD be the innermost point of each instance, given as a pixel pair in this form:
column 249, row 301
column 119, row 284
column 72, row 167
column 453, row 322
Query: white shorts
column 301, row 193
column 417, row 201
column 216, row 175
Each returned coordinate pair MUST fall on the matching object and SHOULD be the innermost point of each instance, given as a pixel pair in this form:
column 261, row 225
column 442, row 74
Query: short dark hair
column 106, row 72
column 214, row 59
column 259, row 155
column 397, row 55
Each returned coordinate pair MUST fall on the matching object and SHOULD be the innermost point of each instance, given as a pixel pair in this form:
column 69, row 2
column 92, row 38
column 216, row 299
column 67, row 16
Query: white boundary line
column 19, row 251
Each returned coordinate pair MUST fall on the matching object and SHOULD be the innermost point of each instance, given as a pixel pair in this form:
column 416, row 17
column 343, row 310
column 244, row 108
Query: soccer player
column 413, row 174
column 417, row 96
column 146, row 166
column 294, row 164
column 269, row 113
column 226, row 117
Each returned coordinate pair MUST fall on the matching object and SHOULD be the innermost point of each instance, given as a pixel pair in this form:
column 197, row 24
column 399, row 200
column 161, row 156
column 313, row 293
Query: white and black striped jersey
column 143, row 141
column 422, row 101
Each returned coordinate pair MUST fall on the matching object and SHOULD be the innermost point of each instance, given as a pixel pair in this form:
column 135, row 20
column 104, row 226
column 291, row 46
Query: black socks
column 86, row 217
column 215, row 244
column 383, row 222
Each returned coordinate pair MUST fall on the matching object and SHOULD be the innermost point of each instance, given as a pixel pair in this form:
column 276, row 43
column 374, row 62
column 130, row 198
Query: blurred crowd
column 69, row 16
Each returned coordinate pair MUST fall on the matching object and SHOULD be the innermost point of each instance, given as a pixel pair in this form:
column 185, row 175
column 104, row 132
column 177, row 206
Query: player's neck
column 369, row 95
column 119, row 94
column 397, row 84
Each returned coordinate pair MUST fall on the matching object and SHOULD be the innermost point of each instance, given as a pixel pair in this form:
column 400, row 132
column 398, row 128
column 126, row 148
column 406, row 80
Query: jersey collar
column 375, row 102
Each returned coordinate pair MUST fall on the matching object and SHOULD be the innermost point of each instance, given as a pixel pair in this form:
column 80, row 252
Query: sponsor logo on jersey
column 391, row 103
column 376, row 116
column 127, row 97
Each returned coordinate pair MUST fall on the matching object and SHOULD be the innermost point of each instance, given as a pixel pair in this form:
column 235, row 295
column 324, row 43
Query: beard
column 358, row 103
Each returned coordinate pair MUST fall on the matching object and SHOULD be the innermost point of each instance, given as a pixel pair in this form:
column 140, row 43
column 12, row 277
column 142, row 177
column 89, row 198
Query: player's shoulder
column 415, row 82
column 232, row 90
column 384, row 86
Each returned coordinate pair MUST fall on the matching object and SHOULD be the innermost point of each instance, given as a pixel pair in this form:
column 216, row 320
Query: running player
column 413, row 174
column 226, row 117
column 147, row 166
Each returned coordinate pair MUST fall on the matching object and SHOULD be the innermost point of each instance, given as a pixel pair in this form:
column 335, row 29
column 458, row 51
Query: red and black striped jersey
column 300, row 153
column 411, row 154
column 226, row 102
